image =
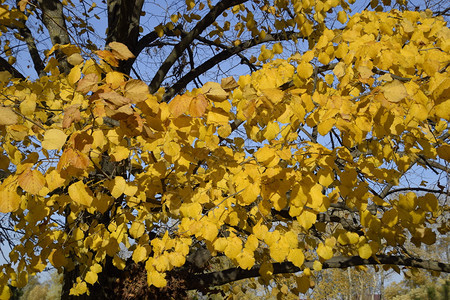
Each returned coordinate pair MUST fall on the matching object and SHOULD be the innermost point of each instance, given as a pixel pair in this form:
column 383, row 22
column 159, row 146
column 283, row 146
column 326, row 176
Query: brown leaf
column 89, row 83
column 229, row 83
column 115, row 98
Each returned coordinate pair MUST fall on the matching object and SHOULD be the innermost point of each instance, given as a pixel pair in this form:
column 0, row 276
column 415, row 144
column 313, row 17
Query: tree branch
column 5, row 66
column 187, row 40
column 123, row 26
column 54, row 20
column 202, row 281
column 225, row 54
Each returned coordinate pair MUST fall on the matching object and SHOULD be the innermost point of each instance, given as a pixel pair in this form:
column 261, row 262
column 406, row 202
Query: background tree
column 330, row 151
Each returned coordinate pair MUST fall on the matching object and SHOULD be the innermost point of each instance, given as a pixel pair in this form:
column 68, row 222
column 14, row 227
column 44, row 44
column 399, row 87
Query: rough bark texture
column 54, row 20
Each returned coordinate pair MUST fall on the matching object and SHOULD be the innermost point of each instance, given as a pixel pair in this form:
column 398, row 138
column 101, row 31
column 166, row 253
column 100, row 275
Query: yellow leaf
column 198, row 106
column 217, row 116
column 120, row 51
column 137, row 229
column 325, row 126
column 118, row 186
column 252, row 243
column 339, row 69
column 80, row 193
column 274, row 95
column 136, row 90
column 8, row 116
column 228, row 83
column 191, row 210
column 324, row 251
column 31, row 181
column 317, row 265
column 304, row 70
column 394, row 91
column 179, row 105
column 9, row 198
column 266, row 155
column 365, row 251
column 5, row 292
column 91, row 277
column 342, row 16
column 172, row 149
column 54, row 139
column 157, row 279
column 297, row 257
column 28, row 106
column 214, row 91
column 75, row 59
column 234, row 247
column 348, row 238
column 245, row 259
column 139, row 254
column 120, row 153
column 74, row 75
column 79, row 289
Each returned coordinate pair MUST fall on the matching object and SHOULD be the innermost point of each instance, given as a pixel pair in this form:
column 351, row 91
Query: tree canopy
column 284, row 137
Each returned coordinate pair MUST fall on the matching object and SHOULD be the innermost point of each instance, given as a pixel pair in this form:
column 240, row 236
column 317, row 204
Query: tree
column 331, row 152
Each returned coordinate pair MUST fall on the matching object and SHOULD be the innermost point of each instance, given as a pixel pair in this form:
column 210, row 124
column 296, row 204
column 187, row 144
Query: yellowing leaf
column 365, row 251
column 348, row 238
column 28, row 106
column 317, row 265
column 274, row 95
column 117, row 186
column 179, row 105
column 228, row 83
column 120, row 153
column 139, row 254
column 8, row 116
column 245, row 260
column 217, row 116
column 80, row 193
column 74, row 75
column 54, row 139
column 304, row 70
column 9, row 198
column 120, row 51
column 342, row 16
column 394, row 91
column 157, row 279
column 214, row 91
column 198, row 106
column 136, row 90
column 324, row 251
column 137, row 229
column 32, row 181
column 297, row 257
column 91, row 277
column 75, row 59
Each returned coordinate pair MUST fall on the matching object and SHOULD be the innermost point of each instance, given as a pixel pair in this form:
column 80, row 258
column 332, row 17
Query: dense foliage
column 328, row 156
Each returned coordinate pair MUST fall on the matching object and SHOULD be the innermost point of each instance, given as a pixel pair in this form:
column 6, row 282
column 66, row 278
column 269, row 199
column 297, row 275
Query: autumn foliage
column 298, row 165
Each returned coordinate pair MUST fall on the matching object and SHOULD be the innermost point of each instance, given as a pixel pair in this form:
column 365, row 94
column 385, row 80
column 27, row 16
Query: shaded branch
column 202, row 281
column 177, row 51
column 5, row 66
